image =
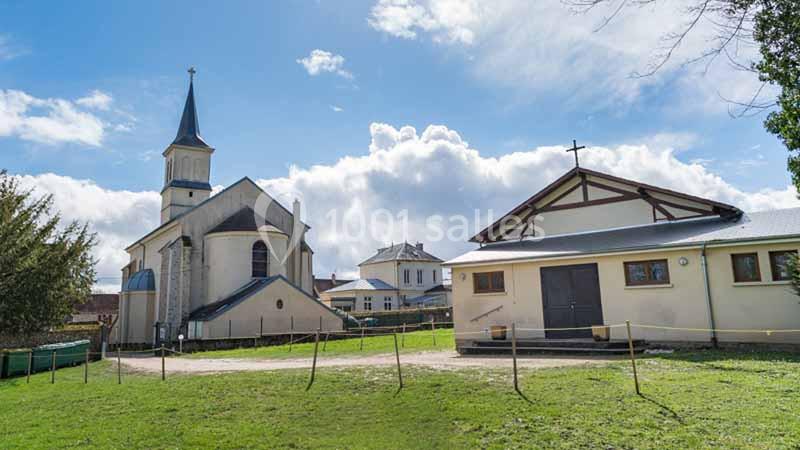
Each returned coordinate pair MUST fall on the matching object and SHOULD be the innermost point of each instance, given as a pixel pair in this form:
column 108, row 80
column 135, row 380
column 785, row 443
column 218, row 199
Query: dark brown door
column 571, row 299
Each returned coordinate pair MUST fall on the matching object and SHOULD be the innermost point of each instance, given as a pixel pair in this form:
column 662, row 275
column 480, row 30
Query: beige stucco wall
column 138, row 310
column 385, row 271
column 298, row 308
column 229, row 260
column 682, row 303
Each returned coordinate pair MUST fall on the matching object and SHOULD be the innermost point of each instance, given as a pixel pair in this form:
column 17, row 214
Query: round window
column 279, row 304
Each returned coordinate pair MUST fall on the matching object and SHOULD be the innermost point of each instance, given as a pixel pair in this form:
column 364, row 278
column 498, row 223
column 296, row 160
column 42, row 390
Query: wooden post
column 633, row 358
column 86, row 368
column 403, row 336
column 53, row 369
column 361, row 346
column 397, row 356
column 325, row 345
column 433, row 331
column 163, row 365
column 514, row 353
column 291, row 333
column 119, row 367
column 314, row 362
column 30, row 365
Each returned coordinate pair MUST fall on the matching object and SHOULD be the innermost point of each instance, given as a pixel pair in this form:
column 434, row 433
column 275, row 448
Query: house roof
column 99, row 304
column 213, row 310
column 143, row 280
column 323, row 284
column 243, row 220
column 189, row 129
column 439, row 288
column 644, row 191
column 758, row 226
column 400, row 252
column 366, row 284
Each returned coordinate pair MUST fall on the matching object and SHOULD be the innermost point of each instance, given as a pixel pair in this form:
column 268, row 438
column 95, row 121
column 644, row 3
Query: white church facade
column 232, row 264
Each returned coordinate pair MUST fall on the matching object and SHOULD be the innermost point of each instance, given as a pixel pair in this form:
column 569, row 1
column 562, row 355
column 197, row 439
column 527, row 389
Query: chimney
column 419, row 246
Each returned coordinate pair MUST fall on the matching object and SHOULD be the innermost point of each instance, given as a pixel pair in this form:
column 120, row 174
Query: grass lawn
column 412, row 342
column 711, row 399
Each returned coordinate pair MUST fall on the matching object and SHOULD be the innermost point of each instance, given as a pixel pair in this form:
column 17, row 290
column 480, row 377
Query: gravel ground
column 437, row 360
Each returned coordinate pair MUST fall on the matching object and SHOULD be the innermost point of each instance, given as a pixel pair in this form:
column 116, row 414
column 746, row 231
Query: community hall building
column 234, row 264
column 594, row 249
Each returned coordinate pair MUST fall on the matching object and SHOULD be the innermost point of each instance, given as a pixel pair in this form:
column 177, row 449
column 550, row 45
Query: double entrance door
column 571, row 299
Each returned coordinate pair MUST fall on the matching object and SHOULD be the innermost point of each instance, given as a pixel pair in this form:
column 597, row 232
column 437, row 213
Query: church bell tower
column 187, row 164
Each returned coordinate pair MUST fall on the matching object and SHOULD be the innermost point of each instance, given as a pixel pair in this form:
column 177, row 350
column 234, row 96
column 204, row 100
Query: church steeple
column 189, row 129
column 187, row 164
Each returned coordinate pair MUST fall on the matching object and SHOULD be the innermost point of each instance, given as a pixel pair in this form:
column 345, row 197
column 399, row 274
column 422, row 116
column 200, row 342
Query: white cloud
column 8, row 49
column 432, row 173
column 96, row 99
column 319, row 61
column 48, row 121
column 118, row 217
column 335, row 108
column 439, row 173
column 546, row 47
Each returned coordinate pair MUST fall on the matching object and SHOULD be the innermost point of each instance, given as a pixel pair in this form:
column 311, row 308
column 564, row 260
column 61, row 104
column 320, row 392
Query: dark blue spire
column 189, row 130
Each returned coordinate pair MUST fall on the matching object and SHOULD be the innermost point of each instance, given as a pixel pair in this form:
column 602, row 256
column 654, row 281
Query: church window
column 185, row 168
column 279, row 304
column 260, row 260
column 191, row 194
column 642, row 273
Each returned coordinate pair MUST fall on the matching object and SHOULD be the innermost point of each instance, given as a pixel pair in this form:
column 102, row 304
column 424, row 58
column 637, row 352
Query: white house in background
column 207, row 271
column 399, row 276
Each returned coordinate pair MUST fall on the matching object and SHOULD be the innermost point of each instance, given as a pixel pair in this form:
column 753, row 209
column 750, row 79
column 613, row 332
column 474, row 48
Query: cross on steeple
column 191, row 73
column 575, row 149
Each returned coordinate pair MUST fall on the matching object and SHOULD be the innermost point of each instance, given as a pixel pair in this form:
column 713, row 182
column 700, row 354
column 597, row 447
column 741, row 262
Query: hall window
column 387, row 303
column 419, row 276
column 367, row 303
column 434, row 277
column 645, row 273
column 485, row 282
column 779, row 264
column 745, row 267
column 260, row 260
column 406, row 276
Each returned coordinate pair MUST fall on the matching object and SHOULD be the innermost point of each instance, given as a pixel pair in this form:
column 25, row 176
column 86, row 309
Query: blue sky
column 508, row 78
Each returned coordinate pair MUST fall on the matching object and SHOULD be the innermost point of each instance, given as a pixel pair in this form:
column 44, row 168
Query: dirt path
column 437, row 360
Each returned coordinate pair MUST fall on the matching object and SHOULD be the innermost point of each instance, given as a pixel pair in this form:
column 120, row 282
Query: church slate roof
column 143, row 280
column 214, row 310
column 751, row 227
column 187, row 184
column 189, row 129
column 242, row 220
column 400, row 252
column 367, row 284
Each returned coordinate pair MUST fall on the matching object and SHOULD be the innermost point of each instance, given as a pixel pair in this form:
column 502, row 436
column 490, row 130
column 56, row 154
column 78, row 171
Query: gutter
column 711, row 321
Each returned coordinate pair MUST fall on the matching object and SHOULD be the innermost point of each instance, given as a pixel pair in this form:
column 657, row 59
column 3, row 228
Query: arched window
column 260, row 259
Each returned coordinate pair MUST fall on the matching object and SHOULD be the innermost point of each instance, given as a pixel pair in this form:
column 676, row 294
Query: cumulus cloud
column 118, row 217
column 335, row 108
column 48, row 121
column 405, row 176
column 437, row 173
column 320, row 61
column 547, row 47
column 96, row 99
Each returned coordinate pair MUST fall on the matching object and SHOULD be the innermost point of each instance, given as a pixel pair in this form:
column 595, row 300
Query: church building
column 233, row 264
column 596, row 250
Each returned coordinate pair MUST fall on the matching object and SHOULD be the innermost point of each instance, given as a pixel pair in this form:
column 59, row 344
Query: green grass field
column 691, row 400
column 412, row 342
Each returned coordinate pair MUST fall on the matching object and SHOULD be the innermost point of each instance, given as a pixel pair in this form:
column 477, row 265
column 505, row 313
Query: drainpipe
column 711, row 322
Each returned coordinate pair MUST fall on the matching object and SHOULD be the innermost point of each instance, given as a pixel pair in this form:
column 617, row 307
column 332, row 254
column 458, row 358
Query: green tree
column 45, row 268
column 794, row 269
column 772, row 25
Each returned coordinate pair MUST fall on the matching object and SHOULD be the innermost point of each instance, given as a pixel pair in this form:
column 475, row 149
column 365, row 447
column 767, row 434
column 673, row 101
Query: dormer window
column 260, row 260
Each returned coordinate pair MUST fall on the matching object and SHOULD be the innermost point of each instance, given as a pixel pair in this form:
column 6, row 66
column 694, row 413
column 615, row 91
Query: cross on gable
column 575, row 149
